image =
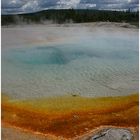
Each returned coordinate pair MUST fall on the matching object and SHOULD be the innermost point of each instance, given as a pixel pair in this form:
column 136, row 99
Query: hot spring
column 93, row 63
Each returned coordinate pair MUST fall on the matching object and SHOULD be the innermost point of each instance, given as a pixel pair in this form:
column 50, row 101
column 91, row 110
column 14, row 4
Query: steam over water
column 96, row 64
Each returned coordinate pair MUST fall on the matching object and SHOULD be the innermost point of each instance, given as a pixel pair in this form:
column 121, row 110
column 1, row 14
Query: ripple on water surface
column 94, row 67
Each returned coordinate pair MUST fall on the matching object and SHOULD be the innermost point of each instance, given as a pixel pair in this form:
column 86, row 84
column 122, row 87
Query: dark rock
column 113, row 134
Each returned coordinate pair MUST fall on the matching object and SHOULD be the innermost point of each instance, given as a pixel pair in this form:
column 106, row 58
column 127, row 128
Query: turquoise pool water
column 99, row 66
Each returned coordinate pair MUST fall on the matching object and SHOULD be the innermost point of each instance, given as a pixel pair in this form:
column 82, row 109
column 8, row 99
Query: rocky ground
column 101, row 133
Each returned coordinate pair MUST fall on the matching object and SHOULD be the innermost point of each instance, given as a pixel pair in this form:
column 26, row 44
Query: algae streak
column 71, row 116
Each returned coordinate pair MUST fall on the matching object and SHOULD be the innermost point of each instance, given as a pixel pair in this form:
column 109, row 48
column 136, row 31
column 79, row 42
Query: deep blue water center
column 95, row 67
column 62, row 55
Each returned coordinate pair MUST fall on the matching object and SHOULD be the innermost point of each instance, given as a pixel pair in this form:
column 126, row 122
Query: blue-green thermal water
column 101, row 66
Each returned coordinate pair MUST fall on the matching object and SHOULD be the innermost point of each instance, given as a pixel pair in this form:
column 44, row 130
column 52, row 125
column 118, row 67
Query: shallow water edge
column 77, row 115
